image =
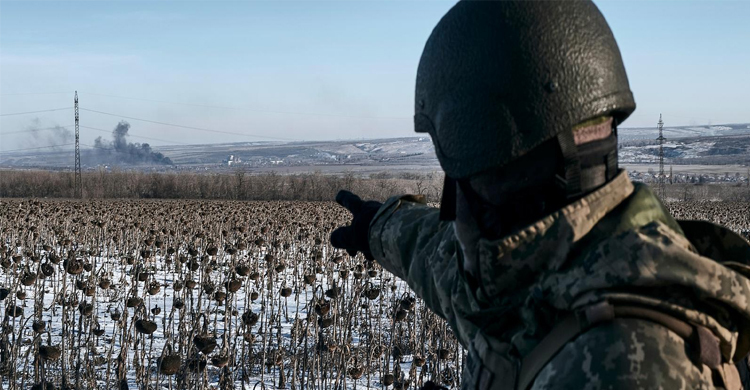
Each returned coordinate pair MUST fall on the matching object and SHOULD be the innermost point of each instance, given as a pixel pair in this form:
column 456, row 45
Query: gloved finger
column 343, row 237
column 349, row 200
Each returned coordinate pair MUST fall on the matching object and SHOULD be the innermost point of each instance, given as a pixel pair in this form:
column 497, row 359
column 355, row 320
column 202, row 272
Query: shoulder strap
column 567, row 330
column 704, row 342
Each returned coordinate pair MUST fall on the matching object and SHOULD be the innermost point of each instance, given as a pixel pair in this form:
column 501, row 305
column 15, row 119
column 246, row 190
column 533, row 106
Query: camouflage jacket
column 617, row 244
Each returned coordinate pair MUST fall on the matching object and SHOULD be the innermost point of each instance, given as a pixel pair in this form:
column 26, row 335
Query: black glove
column 430, row 385
column 355, row 238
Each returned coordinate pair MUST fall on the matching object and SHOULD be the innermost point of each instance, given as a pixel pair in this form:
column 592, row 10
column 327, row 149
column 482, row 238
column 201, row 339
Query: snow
column 169, row 321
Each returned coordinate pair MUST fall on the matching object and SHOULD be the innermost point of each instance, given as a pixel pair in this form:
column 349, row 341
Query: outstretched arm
column 408, row 239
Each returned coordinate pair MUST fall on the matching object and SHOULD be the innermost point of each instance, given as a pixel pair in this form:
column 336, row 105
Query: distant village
column 409, row 155
column 652, row 176
column 323, row 158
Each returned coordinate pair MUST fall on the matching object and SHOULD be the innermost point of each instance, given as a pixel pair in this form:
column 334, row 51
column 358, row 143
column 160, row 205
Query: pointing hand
column 355, row 238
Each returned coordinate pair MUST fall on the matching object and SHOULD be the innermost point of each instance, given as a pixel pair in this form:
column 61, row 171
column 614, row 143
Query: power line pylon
column 78, row 191
column 662, row 176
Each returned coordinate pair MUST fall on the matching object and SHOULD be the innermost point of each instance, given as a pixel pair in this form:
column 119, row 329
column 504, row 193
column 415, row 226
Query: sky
column 244, row 71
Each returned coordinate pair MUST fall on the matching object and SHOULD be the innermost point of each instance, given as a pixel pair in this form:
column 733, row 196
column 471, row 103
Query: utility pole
column 78, row 192
column 671, row 178
column 661, row 139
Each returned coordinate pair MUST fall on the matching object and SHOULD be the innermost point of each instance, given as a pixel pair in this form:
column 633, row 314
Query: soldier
column 552, row 268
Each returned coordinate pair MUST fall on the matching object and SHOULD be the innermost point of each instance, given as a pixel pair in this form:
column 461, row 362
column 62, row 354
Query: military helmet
column 498, row 78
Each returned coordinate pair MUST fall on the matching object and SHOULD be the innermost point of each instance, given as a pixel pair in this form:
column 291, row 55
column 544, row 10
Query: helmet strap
column 448, row 200
column 587, row 166
column 569, row 180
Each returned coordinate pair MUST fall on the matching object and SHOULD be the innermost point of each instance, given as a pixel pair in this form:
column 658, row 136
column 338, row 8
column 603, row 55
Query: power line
column 99, row 147
column 189, row 127
column 56, row 146
column 253, row 109
column 165, row 102
column 278, row 112
column 41, row 147
column 92, row 128
column 135, row 135
column 34, row 112
column 661, row 139
column 688, row 117
column 104, row 148
column 34, row 93
column 33, row 130
column 78, row 181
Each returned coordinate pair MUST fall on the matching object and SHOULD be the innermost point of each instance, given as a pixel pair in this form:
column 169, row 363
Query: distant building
column 232, row 160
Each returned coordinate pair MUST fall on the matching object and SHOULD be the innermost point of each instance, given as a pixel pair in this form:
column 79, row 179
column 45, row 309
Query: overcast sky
column 313, row 70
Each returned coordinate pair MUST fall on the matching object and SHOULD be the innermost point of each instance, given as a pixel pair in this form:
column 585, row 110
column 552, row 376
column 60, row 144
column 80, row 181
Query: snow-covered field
column 271, row 304
column 214, row 294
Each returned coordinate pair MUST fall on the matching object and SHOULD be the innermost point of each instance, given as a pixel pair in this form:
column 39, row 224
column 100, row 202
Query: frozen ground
column 289, row 336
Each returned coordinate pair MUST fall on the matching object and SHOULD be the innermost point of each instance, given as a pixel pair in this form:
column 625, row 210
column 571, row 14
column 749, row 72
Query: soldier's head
column 522, row 100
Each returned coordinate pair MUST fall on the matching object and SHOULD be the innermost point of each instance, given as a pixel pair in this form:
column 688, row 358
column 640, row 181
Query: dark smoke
column 131, row 153
column 48, row 137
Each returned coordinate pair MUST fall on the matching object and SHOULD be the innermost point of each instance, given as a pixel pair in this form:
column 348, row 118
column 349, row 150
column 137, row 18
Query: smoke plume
column 129, row 152
column 56, row 137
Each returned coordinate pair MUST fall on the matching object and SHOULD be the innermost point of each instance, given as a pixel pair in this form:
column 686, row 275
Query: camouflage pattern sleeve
column 397, row 229
column 408, row 239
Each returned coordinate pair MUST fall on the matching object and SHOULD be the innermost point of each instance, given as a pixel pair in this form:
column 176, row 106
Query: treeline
column 691, row 192
column 239, row 185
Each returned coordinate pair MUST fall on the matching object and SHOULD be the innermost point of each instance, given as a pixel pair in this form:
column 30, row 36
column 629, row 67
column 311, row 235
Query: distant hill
column 713, row 145
column 687, row 145
column 413, row 152
column 674, row 132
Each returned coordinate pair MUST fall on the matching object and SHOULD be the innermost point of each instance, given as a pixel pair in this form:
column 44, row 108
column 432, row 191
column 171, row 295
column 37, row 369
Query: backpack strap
column 705, row 343
column 565, row 331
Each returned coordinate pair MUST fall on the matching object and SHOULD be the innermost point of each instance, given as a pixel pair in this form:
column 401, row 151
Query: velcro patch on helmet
column 592, row 132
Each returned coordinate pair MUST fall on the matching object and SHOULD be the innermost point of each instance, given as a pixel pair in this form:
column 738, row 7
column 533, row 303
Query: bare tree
column 239, row 176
